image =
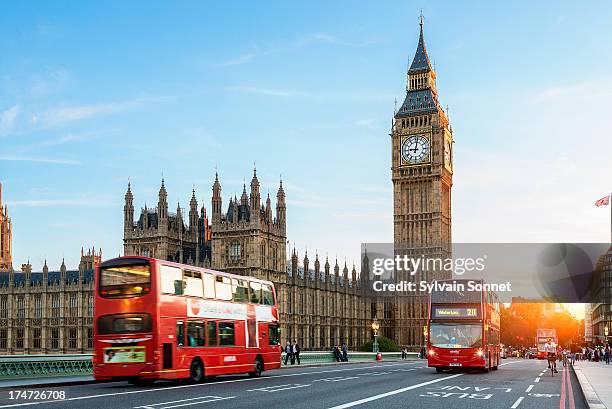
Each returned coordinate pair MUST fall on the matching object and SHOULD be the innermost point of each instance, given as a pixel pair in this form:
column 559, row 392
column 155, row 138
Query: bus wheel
column 257, row 368
column 196, row 371
column 438, row 369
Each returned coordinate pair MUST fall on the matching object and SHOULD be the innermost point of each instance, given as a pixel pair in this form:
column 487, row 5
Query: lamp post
column 606, row 331
column 375, row 327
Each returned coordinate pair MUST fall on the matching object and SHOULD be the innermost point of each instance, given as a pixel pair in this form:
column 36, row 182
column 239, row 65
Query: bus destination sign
column 456, row 312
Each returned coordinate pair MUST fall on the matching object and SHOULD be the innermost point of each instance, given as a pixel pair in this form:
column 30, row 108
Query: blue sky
column 94, row 93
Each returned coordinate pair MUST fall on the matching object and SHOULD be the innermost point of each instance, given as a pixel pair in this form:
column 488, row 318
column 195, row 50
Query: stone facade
column 6, row 237
column 48, row 312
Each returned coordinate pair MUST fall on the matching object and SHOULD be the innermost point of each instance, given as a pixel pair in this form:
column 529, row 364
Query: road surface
column 518, row 384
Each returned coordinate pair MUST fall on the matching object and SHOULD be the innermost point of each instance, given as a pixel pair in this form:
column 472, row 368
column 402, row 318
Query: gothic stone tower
column 164, row 235
column 249, row 239
column 6, row 237
column 422, row 171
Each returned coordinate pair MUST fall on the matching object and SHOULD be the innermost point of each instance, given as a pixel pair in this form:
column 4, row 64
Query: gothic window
column 55, row 338
column 73, row 305
column 234, row 252
column 89, row 338
column 3, row 338
column 21, row 310
column 90, row 304
column 18, row 339
column 38, row 306
column 72, row 338
column 36, row 338
column 146, row 252
column 3, row 306
column 263, row 255
column 55, row 305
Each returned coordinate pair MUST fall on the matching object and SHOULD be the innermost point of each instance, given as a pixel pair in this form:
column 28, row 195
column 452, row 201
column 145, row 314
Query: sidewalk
column 595, row 379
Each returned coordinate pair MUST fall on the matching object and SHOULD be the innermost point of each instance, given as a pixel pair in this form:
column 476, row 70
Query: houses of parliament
column 321, row 302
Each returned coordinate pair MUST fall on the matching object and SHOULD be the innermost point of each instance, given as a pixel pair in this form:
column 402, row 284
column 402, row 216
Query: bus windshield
column 125, row 281
column 455, row 335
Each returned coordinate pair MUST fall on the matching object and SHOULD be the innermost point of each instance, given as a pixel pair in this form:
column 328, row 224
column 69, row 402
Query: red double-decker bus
column 157, row 319
column 463, row 326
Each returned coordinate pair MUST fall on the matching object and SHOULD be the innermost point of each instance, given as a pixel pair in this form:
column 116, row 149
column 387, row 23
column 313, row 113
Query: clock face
column 447, row 152
column 415, row 149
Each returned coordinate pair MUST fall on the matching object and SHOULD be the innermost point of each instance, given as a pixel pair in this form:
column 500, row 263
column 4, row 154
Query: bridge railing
column 321, row 357
column 34, row 366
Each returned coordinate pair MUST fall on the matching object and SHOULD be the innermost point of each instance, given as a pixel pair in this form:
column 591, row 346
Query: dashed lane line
column 394, row 392
column 184, row 402
column 537, row 379
column 529, row 388
column 517, row 403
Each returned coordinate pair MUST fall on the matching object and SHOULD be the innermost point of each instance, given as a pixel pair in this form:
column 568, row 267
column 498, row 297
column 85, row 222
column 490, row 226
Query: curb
column 590, row 396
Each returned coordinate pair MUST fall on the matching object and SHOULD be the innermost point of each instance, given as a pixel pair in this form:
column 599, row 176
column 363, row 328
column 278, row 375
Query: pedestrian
column 337, row 353
column 607, row 354
column 344, row 352
column 288, row 353
column 296, row 352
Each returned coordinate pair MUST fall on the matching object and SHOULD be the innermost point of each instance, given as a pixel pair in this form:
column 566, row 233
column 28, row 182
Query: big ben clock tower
column 422, row 175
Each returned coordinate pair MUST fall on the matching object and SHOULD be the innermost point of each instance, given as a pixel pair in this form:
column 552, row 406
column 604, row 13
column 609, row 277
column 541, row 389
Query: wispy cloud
column 557, row 92
column 79, row 112
column 317, row 38
column 39, row 160
column 8, row 118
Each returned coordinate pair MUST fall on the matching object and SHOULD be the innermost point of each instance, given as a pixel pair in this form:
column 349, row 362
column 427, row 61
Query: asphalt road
column 518, row 384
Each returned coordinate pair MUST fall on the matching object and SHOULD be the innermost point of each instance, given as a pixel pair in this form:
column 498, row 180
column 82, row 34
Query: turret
column 216, row 200
column 327, row 268
column 63, row 272
column 268, row 209
column 354, row 275
column 317, row 268
column 45, row 279
column 337, row 273
column 193, row 213
column 281, row 206
column 255, row 195
column 345, row 275
column 162, row 204
column 306, row 265
column 128, row 210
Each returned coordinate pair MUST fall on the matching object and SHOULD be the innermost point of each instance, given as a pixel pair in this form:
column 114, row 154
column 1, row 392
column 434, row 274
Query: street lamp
column 375, row 327
column 606, row 331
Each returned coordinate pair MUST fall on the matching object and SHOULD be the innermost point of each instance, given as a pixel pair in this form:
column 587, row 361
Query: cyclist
column 551, row 352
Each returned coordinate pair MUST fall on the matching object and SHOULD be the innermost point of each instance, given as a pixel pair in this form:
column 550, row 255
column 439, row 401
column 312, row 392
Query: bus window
column 124, row 323
column 226, row 333
column 209, row 285
column 195, row 334
column 223, row 288
column 125, row 281
column 256, row 297
column 171, row 280
column 273, row 334
column 268, row 295
column 193, row 283
column 240, row 291
column 180, row 333
column 212, row 334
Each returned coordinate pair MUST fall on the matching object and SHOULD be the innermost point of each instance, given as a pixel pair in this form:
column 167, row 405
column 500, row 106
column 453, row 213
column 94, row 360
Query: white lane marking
column 537, row 379
column 336, row 379
column 195, row 403
column 102, row 395
column 152, row 405
column 529, row 388
column 395, row 392
column 279, row 388
column 518, row 402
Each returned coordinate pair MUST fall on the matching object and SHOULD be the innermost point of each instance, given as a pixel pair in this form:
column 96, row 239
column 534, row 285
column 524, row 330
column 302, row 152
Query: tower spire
column 421, row 62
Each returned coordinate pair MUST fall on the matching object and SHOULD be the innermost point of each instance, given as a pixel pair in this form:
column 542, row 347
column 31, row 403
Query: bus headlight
column 431, row 352
column 480, row 353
